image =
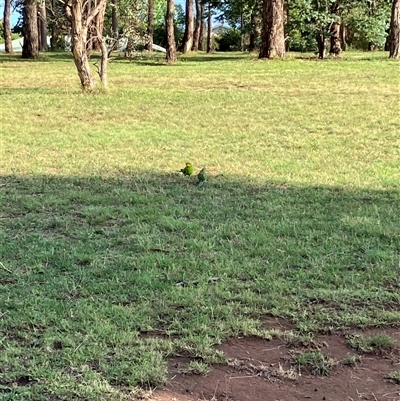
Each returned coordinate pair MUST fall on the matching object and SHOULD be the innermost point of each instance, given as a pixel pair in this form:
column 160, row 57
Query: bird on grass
column 187, row 170
column 201, row 177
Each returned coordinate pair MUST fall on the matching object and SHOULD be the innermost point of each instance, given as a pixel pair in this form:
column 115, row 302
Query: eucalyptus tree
column 30, row 47
column 394, row 40
column 57, row 24
column 114, row 18
column 188, row 36
column 209, row 28
column 272, row 33
column 81, row 14
column 170, row 31
column 7, row 27
column 42, row 25
column 197, row 37
column 255, row 25
column 150, row 25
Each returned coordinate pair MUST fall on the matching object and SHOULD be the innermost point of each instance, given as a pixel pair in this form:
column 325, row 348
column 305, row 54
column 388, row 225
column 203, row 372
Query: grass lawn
column 111, row 261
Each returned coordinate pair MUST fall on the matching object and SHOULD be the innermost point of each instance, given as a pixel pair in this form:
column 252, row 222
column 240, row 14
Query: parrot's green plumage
column 202, row 177
column 188, row 170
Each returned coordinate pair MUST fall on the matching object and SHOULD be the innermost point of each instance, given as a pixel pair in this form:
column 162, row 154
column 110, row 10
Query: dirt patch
column 262, row 370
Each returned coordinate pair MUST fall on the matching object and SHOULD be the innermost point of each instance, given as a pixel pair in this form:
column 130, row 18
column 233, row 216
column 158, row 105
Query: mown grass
column 111, row 262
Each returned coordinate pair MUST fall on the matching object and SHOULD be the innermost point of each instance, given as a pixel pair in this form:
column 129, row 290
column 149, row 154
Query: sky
column 14, row 15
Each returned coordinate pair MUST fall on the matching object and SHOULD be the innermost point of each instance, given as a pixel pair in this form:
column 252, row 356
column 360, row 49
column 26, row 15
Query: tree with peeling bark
column 170, row 28
column 394, row 40
column 7, row 27
column 30, row 47
column 81, row 15
column 272, row 33
column 96, row 28
column 189, row 27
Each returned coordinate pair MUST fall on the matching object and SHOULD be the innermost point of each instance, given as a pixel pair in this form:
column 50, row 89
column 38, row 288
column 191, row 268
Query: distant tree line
column 272, row 27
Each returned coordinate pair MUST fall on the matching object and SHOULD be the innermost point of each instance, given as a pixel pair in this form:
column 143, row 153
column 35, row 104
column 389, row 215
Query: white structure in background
column 17, row 45
column 124, row 41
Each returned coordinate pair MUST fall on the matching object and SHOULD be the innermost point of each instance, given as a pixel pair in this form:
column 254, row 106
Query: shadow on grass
column 43, row 57
column 132, row 269
column 313, row 243
column 217, row 57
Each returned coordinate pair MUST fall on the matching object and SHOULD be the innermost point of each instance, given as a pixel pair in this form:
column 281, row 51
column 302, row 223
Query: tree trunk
column 394, row 43
column 255, row 26
column 79, row 34
column 209, row 29
column 197, row 29
column 89, row 41
column 7, row 27
column 95, row 31
column 343, row 34
column 99, row 26
column 335, row 47
column 287, row 21
column 54, row 27
column 103, row 63
column 202, row 28
column 114, row 19
column 42, row 25
column 273, row 35
column 189, row 27
column 321, row 45
column 387, row 40
column 171, row 45
column 241, row 30
column 82, row 15
column 129, row 48
column 30, row 48
column 150, row 25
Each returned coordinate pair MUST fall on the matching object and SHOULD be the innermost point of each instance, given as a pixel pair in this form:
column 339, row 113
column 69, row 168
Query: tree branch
column 95, row 11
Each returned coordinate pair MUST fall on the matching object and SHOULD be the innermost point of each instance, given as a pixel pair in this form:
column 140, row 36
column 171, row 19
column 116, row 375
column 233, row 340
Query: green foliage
column 378, row 344
column 368, row 28
column 315, row 361
column 351, row 360
column 13, row 35
column 394, row 376
column 228, row 40
column 301, row 41
column 159, row 27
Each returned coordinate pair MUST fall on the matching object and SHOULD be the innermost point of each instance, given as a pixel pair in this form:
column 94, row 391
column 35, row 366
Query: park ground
column 278, row 279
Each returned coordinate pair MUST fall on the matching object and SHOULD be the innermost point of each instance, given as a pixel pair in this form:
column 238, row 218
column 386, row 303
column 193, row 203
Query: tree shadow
column 255, row 237
column 155, row 59
column 217, row 57
column 47, row 56
column 131, row 268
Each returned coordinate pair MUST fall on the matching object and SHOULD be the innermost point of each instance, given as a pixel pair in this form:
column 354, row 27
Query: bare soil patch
column 259, row 370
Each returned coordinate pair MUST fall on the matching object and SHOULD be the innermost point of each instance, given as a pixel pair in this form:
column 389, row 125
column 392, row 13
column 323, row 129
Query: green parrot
column 188, row 170
column 202, row 177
